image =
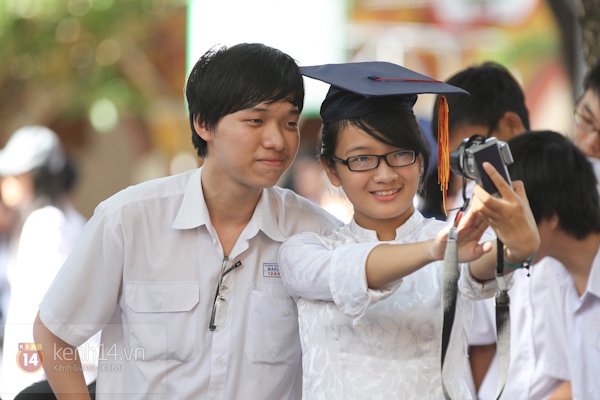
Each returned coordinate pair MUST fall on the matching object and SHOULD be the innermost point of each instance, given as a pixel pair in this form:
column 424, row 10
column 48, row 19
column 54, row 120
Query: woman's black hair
column 395, row 127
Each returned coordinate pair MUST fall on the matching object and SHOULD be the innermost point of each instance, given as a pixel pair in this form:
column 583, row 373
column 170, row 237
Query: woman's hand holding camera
column 510, row 216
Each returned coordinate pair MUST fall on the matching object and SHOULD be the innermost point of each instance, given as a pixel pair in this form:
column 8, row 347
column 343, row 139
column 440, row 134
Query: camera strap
column 502, row 302
column 451, row 274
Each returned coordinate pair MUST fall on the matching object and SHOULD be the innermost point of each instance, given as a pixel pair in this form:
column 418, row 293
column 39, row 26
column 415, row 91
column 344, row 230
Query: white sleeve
column 84, row 295
column 312, row 270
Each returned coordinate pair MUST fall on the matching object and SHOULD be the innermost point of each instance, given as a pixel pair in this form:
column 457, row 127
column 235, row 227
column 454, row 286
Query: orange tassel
column 443, row 149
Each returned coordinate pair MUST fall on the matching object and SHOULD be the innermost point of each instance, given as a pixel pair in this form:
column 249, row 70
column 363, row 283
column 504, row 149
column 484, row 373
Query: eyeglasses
column 584, row 123
column 367, row 162
column 219, row 309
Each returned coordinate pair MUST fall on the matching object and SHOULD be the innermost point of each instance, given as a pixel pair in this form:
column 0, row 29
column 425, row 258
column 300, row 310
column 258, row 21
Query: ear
column 331, row 174
column 554, row 221
column 509, row 126
column 202, row 130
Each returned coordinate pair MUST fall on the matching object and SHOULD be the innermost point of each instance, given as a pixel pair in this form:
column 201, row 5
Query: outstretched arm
column 388, row 263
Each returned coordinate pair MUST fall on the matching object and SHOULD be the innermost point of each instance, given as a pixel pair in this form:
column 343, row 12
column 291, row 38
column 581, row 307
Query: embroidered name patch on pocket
column 271, row 270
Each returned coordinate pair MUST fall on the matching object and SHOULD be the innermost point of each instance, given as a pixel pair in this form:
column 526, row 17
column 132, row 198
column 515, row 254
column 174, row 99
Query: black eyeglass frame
column 346, row 162
column 584, row 123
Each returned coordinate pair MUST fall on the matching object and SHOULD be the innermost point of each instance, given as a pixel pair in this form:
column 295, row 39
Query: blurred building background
column 108, row 75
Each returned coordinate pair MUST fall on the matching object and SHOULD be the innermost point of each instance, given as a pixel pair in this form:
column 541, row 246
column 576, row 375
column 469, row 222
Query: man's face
column 463, row 130
column 253, row 147
column 587, row 124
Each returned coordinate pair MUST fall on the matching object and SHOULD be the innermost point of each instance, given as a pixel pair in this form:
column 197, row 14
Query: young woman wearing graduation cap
column 369, row 295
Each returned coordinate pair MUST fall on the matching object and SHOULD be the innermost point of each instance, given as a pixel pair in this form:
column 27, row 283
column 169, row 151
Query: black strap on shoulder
column 502, row 301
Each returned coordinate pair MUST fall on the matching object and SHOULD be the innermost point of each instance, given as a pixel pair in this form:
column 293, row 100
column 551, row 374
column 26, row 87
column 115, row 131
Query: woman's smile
column 386, row 195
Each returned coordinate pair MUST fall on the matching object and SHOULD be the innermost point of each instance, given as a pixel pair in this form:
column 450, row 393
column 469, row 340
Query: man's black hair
column 230, row 79
column 493, row 91
column 592, row 80
column 558, row 179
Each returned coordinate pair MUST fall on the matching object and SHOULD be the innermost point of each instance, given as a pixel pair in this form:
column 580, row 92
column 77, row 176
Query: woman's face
column 382, row 197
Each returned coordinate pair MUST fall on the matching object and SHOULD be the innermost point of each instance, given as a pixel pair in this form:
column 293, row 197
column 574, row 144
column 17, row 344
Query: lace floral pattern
column 360, row 343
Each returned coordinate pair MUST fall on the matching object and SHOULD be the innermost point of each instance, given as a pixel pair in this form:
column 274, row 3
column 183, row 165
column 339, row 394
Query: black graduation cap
column 360, row 88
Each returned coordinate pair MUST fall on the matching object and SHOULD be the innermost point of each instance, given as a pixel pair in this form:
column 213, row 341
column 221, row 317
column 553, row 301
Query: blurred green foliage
column 60, row 56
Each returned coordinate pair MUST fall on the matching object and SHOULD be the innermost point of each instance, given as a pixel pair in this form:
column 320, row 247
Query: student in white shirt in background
column 181, row 273
column 495, row 107
column 37, row 179
column 559, row 181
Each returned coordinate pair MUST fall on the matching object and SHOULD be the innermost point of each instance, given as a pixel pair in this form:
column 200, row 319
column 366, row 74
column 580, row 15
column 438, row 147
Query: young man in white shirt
column 181, row 273
column 559, row 181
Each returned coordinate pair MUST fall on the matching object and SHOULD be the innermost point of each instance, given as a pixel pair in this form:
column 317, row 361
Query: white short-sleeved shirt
column 145, row 271
column 526, row 378
column 360, row 343
column 576, row 320
column 532, row 338
column 527, row 375
column 47, row 237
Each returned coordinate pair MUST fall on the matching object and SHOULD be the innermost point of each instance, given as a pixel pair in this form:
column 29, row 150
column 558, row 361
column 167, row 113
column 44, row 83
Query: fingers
column 472, row 220
column 482, row 249
column 487, row 247
column 499, row 181
column 519, row 188
column 458, row 217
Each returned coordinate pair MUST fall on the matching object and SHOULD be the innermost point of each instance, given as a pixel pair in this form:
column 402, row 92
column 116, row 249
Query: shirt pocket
column 273, row 336
column 161, row 319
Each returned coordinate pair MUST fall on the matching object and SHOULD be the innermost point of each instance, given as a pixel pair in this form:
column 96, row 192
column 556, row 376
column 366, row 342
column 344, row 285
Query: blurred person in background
column 586, row 133
column 309, row 180
column 37, row 178
column 495, row 108
column 7, row 227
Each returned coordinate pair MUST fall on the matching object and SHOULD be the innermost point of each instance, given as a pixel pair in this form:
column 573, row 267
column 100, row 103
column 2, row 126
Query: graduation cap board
column 358, row 89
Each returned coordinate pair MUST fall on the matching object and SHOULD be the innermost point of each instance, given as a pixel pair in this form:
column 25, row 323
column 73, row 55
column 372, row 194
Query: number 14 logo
column 30, row 357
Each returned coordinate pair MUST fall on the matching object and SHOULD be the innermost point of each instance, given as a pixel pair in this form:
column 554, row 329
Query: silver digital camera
column 467, row 160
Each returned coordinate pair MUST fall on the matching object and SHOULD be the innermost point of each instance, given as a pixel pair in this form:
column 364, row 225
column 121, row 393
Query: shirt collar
column 194, row 213
column 402, row 231
column 268, row 216
column 593, row 285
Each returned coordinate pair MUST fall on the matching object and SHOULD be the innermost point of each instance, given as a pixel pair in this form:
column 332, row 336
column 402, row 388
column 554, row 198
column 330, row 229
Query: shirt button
column 220, row 360
column 286, row 312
